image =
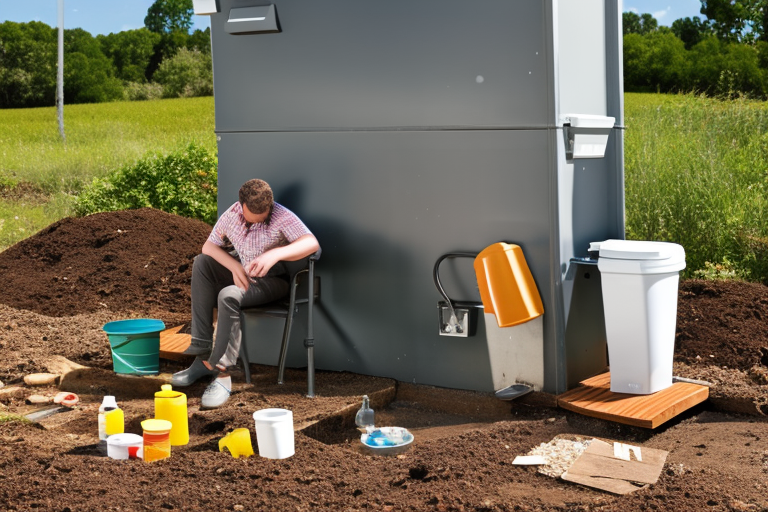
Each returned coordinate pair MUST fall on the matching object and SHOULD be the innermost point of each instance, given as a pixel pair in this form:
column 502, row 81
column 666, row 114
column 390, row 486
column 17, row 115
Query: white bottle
column 108, row 404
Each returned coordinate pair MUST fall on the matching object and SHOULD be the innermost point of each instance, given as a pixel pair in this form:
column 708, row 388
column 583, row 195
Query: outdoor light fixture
column 252, row 20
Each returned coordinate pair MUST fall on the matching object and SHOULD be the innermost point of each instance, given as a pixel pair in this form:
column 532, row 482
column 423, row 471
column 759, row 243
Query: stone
column 41, row 379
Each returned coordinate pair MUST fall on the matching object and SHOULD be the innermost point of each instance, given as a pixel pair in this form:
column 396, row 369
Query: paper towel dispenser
column 257, row 19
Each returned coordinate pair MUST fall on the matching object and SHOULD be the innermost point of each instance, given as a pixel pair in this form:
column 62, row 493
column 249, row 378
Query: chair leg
column 244, row 354
column 284, row 347
column 311, row 372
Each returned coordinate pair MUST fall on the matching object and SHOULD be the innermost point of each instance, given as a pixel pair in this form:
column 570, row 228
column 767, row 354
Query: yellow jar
column 172, row 406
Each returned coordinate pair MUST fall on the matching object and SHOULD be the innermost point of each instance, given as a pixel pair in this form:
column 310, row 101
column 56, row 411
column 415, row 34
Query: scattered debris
column 12, row 392
column 39, row 399
column 559, row 454
column 45, row 412
column 529, row 460
column 41, row 379
column 66, row 399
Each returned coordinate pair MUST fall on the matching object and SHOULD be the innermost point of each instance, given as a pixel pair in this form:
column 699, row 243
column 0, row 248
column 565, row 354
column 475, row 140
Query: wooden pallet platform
column 595, row 398
column 173, row 342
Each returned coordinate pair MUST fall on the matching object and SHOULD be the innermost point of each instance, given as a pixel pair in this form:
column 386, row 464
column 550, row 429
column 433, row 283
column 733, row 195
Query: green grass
column 99, row 138
column 6, row 417
column 695, row 168
column 695, row 174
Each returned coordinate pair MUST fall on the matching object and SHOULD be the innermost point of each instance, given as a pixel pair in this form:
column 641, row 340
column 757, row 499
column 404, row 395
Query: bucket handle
column 126, row 363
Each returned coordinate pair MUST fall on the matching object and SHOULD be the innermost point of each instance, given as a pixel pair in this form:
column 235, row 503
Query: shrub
column 186, row 74
column 182, row 182
column 136, row 91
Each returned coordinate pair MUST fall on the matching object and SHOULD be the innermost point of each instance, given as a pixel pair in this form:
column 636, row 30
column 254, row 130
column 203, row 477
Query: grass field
column 695, row 174
column 695, row 168
column 99, row 139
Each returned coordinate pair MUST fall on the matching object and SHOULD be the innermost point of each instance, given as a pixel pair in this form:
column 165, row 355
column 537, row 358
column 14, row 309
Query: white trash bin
column 640, row 286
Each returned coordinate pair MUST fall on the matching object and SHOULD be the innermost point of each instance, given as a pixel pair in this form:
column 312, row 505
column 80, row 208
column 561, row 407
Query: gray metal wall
column 400, row 131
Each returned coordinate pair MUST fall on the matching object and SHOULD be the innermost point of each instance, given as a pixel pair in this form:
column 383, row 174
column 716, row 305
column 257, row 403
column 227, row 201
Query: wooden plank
column 173, row 342
column 595, row 398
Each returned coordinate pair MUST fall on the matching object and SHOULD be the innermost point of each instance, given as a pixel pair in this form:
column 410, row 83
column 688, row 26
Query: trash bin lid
column 639, row 257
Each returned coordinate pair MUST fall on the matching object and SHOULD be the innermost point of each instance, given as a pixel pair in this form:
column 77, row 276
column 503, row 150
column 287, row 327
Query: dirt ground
column 61, row 285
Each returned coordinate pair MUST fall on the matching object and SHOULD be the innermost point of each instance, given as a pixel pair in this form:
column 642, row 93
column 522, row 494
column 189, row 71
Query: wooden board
column 174, row 341
column 595, row 398
column 598, row 467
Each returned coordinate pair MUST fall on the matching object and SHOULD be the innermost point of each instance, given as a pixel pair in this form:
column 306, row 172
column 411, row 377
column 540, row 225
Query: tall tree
column 167, row 16
column 131, row 52
column 737, row 20
column 638, row 24
column 691, row 30
column 27, row 65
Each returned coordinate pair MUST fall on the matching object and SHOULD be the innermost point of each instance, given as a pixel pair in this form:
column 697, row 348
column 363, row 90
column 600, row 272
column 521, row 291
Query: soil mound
column 722, row 323
column 123, row 260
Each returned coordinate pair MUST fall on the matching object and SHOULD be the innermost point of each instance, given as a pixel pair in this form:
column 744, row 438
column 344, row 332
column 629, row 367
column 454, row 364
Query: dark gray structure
column 403, row 130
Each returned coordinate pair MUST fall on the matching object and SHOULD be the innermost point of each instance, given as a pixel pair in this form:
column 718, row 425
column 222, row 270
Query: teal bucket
column 135, row 345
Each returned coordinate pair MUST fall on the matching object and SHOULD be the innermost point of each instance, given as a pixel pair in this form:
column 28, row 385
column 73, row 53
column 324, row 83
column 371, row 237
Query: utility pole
column 60, row 74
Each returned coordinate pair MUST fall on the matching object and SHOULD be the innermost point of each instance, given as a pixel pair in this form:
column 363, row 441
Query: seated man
column 263, row 233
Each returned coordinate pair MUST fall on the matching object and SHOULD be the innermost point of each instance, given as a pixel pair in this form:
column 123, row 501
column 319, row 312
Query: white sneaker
column 215, row 395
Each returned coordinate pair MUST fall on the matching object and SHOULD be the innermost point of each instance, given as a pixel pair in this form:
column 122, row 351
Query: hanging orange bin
column 506, row 285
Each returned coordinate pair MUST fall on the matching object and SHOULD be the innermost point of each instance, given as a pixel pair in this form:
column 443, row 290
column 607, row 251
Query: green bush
column 138, row 91
column 187, row 74
column 182, row 183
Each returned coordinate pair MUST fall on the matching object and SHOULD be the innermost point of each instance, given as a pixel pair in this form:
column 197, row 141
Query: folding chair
column 304, row 289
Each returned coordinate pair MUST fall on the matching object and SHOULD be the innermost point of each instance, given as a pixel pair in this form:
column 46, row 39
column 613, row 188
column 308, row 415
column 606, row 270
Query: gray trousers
column 213, row 287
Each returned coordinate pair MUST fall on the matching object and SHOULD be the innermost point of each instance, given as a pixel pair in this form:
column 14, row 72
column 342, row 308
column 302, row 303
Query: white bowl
column 394, row 440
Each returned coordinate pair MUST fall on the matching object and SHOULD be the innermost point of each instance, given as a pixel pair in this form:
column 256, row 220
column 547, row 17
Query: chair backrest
column 294, row 267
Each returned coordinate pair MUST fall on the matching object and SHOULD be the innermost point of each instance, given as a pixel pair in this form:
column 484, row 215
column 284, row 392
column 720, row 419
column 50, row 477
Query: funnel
column 239, row 443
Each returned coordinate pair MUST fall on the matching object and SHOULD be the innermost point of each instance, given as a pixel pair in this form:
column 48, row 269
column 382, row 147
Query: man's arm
column 296, row 250
column 239, row 274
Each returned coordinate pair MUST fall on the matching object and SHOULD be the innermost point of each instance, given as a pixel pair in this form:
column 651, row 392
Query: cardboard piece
column 529, row 460
column 599, row 468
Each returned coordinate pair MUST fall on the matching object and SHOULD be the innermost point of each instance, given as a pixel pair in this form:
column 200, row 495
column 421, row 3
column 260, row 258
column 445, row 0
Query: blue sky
column 94, row 16
column 105, row 16
column 665, row 11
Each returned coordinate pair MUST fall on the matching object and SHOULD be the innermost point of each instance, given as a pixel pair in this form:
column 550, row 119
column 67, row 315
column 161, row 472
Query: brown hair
column 257, row 196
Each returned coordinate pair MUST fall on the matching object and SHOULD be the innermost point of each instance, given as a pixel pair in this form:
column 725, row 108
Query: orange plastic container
column 506, row 285
column 157, row 439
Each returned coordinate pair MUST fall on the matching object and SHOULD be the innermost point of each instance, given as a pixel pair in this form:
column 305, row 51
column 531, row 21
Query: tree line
column 162, row 59
column 724, row 55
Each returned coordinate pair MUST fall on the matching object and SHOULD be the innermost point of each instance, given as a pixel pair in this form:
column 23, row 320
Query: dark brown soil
column 137, row 264
column 127, row 260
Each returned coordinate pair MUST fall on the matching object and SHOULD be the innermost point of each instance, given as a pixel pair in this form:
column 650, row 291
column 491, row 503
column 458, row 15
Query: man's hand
column 259, row 266
column 240, row 277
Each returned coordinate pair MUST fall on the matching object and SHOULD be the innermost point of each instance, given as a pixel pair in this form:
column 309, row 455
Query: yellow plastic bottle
column 171, row 405
column 115, row 422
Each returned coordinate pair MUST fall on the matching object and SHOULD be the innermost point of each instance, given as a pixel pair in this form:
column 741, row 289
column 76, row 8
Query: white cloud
column 632, row 9
column 128, row 27
column 659, row 15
